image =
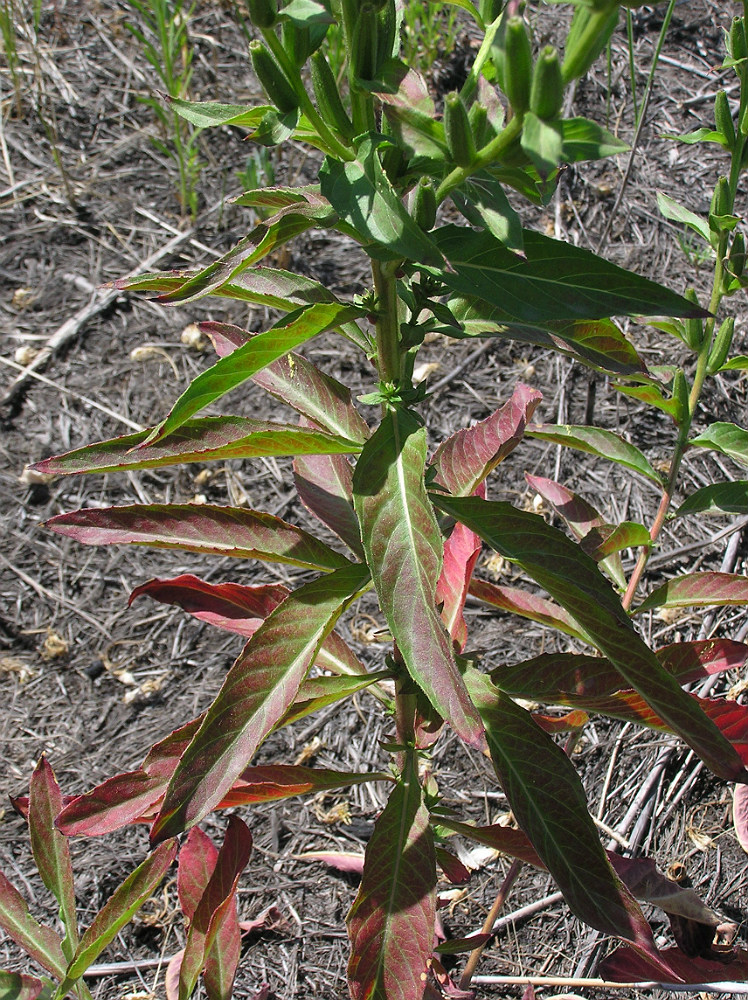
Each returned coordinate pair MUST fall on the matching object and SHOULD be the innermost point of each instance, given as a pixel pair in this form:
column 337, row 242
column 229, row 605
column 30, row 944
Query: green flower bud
column 721, row 200
column 424, row 204
column 478, row 121
column 721, row 346
column 457, row 131
column 262, row 13
column 693, row 326
column 297, row 41
column 736, row 259
column 273, row 81
column 744, row 123
column 547, row 91
column 387, row 32
column 723, row 118
column 328, row 98
column 364, row 44
column 490, row 9
column 588, row 35
column 736, row 40
column 517, row 65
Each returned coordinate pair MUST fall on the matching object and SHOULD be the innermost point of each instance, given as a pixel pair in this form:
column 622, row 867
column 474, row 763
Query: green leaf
column 119, row 910
column 304, row 12
column 736, row 364
column 559, row 566
column 481, row 199
column 586, row 140
column 696, row 589
column 391, row 923
column 403, row 548
column 652, row 395
column 543, row 142
column 719, row 498
column 699, row 135
column 360, row 193
column 677, row 213
column 599, row 442
column 257, row 692
column 319, row 692
column 246, row 361
column 39, row 942
column 227, row 531
column 729, row 439
column 206, row 114
column 607, row 540
column 206, row 439
column 521, row 602
column 50, row 848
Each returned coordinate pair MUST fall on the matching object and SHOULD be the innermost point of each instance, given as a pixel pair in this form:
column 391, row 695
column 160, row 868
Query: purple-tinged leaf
column 162, row 757
column 257, row 692
column 600, row 543
column 626, row 966
column 404, row 551
column 391, row 923
column 729, row 439
column 697, row 589
column 599, row 442
column 456, row 946
column 206, row 439
column 171, row 979
column 325, row 487
column 647, row 883
column 559, row 566
column 601, row 343
column 216, row 905
column 342, row 861
column 452, row 867
column 547, row 797
column 520, row 602
column 319, row 692
column 740, row 815
column 119, row 910
column 503, row 839
column 720, row 498
column 123, row 799
column 466, row 458
column 337, row 656
column 272, row 782
column 461, row 551
column 225, row 531
column 264, row 286
column 16, row 986
column 197, row 862
column 693, row 661
column 39, row 942
column 246, row 361
column 51, row 850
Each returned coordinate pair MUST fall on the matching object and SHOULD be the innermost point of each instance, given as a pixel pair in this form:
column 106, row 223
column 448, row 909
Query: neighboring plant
column 162, row 33
column 413, row 525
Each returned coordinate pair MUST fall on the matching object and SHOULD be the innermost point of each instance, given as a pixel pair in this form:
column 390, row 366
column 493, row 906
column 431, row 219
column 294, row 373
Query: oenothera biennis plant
column 412, row 523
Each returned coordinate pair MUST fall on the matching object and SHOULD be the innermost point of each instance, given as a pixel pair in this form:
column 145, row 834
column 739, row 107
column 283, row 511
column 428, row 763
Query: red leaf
column 692, row 661
column 197, row 862
column 625, row 966
column 716, row 589
column 171, row 979
column 521, row 602
column 740, row 814
column 342, row 861
column 125, row 798
column 270, row 782
column 452, row 867
column 325, row 487
column 269, row 919
column 15, row 986
column 461, row 551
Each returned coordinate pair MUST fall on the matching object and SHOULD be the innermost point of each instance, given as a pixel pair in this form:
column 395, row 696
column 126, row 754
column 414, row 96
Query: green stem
column 484, row 158
column 388, row 322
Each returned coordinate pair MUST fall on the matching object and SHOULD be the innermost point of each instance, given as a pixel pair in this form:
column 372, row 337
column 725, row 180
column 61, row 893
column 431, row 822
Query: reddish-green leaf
column 692, row 661
column 216, row 905
column 206, row 439
column 573, row 579
column 50, row 848
column 264, row 286
column 271, row 782
column 119, row 910
column 729, row 439
column 466, row 458
column 125, row 798
column 646, row 882
column 391, row 923
column 601, row 343
column 596, row 441
column 461, row 551
column 15, row 986
column 740, row 814
column 162, row 757
column 404, row 551
column 549, row 801
column 626, row 966
column 246, row 361
column 325, row 487
column 504, row 839
column 257, row 692
column 720, row 498
column 225, row 531
column 319, row 692
column 40, row 943
column 520, row 602
column 608, row 540
column 697, row 589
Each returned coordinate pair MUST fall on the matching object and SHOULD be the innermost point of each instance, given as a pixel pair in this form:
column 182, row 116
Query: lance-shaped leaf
column 461, row 551
column 481, row 199
column 599, row 442
column 325, row 487
column 521, row 602
column 716, row 589
column 729, row 439
column 626, row 966
column 573, row 579
column 391, row 923
column 611, row 539
column 209, row 114
column 580, row 516
column 40, row 943
column 404, row 552
column 720, row 498
column 246, row 361
column 119, row 910
column 465, row 459
column 257, row 692
column 693, row 661
column 216, row 905
column 271, row 782
column 548, row 799
column 226, row 531
column 206, row 439
column 51, row 850
column 319, row 692
column 16, row 986
column 264, row 286
column 555, row 280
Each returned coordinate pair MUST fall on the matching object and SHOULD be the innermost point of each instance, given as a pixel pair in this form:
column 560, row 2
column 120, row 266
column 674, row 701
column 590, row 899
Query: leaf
column 342, row 861
column 652, row 395
column 461, row 551
column 325, row 487
column 306, row 12
column 257, row 692
column 599, row 442
column 116, row 802
column 719, row 498
column 729, row 439
column 466, row 458
column 263, row 286
column 693, row 661
column 521, row 602
column 319, row 692
column 208, row 439
column 50, row 849
column 586, row 140
column 737, row 364
column 226, row 531
column 272, row 782
column 216, row 905
column 206, row 114
column 699, row 135
column 39, row 942
column 713, row 589
column 677, row 213
column 625, row 966
column 226, row 605
column 543, row 142
column 360, row 193
column 572, row 578
column 15, row 986
column 481, row 199
column 556, row 281
column 549, row 802
column 404, row 552
column 600, row 543
column 391, row 923
column 246, row 361
column 740, row 814
column 118, row 910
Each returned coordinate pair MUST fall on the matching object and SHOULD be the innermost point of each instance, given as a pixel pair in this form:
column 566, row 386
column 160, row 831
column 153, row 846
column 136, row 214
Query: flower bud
column 736, row 39
column 723, row 118
column 424, row 204
column 273, row 81
column 457, row 131
column 364, row 44
column 721, row 346
column 547, row 91
column 693, row 326
column 478, row 121
column 736, row 259
column 721, row 200
column 262, row 13
column 297, row 41
column 588, row 35
column 328, row 98
column 517, row 65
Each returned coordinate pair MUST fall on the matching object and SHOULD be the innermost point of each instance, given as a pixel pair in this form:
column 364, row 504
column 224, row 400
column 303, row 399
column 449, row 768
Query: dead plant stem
column 488, row 924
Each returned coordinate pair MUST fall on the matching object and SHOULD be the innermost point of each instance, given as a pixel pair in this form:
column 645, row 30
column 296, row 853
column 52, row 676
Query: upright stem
column 388, row 322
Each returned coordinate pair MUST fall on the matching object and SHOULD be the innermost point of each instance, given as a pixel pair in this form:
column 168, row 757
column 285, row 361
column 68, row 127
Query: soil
column 91, row 682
